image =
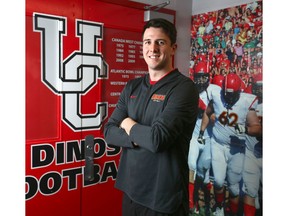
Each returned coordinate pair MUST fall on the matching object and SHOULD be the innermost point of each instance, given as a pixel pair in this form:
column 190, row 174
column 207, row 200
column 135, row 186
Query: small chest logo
column 158, row 97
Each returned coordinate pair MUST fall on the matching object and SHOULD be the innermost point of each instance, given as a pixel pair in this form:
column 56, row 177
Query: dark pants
column 130, row 208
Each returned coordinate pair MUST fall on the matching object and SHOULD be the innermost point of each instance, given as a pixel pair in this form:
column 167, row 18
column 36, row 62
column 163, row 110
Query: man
column 153, row 122
column 252, row 171
column 235, row 116
column 199, row 158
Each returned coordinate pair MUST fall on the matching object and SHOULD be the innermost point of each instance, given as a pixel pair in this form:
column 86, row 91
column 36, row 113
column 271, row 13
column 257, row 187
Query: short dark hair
column 168, row 27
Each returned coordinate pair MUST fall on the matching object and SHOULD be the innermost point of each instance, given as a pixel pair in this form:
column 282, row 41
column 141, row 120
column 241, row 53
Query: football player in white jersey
column 252, row 172
column 199, row 158
column 234, row 116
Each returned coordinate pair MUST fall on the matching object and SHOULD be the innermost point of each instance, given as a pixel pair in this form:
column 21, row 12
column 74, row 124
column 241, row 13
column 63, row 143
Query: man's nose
column 153, row 47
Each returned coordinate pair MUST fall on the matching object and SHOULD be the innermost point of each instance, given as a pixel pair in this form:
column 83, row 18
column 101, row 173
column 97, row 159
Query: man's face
column 157, row 49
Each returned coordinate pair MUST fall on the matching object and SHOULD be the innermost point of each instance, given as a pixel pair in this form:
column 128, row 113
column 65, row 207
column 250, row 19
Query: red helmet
column 201, row 67
column 218, row 80
column 201, row 76
column 258, row 78
column 231, row 89
column 232, row 83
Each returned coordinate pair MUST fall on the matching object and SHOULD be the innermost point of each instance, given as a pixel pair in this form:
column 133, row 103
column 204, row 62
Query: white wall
column 183, row 25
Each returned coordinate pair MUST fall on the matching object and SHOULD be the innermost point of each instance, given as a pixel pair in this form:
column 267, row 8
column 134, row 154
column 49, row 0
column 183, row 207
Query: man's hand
column 201, row 139
column 127, row 124
column 240, row 129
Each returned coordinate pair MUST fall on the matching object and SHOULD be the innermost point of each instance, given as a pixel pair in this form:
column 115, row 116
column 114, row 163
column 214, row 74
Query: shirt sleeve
column 114, row 135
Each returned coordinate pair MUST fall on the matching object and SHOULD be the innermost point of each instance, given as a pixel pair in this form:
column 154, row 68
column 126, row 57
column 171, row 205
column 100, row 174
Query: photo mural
column 227, row 51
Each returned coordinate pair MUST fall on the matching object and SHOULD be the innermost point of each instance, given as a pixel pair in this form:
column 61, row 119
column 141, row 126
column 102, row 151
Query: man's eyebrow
column 160, row 39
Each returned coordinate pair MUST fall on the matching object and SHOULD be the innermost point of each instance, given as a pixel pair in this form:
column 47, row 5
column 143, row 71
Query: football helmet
column 201, row 76
column 231, row 89
column 218, row 80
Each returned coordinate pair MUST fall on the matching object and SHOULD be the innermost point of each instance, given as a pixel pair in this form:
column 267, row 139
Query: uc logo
column 75, row 75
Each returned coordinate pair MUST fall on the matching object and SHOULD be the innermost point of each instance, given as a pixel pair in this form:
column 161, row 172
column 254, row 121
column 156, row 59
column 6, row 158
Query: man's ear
column 174, row 48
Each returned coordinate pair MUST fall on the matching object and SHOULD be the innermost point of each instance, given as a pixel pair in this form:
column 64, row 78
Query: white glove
column 240, row 129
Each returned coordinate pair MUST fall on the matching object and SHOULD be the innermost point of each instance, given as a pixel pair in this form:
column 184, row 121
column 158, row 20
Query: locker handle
column 89, row 156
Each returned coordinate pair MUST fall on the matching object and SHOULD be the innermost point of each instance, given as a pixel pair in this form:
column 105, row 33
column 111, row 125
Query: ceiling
column 199, row 6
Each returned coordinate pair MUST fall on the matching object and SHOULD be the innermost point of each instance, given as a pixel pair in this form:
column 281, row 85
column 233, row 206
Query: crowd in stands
column 229, row 40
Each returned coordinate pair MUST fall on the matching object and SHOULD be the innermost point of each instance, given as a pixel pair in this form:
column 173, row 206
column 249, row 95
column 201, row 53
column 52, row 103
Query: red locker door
column 54, row 157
